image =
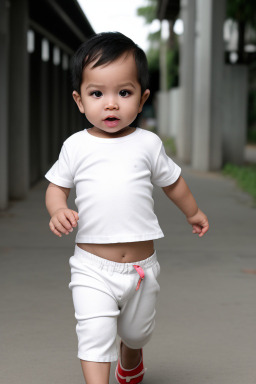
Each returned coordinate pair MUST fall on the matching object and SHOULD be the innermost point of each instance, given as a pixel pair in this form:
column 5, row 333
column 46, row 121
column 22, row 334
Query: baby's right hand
column 63, row 221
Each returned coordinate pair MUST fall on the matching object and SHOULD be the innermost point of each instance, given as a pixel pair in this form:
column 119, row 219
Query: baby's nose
column 111, row 104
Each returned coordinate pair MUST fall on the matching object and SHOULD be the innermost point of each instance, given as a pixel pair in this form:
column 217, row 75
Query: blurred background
column 202, row 61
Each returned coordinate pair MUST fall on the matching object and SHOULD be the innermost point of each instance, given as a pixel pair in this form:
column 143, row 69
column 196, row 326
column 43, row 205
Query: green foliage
column 173, row 67
column 242, row 10
column 153, row 54
column 245, row 177
column 155, row 37
column 252, row 116
column 149, row 11
column 153, row 59
column 169, row 145
column 252, row 136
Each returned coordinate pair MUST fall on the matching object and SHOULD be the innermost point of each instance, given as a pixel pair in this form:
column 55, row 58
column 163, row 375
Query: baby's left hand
column 199, row 223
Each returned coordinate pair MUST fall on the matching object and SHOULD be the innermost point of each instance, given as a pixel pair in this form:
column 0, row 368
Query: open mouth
column 111, row 121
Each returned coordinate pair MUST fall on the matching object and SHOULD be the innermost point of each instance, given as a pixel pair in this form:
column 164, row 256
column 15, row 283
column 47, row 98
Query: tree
column 149, row 12
column 244, row 12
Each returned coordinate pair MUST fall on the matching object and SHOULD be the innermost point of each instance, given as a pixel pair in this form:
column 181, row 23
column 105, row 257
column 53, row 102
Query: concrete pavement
column 205, row 333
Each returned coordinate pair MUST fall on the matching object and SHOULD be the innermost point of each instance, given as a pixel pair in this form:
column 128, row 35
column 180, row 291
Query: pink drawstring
column 141, row 274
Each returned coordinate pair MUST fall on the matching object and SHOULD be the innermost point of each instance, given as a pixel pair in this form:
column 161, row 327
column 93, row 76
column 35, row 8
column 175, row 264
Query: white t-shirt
column 114, row 181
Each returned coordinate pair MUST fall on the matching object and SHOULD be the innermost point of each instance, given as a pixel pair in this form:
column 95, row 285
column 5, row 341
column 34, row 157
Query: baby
column 114, row 166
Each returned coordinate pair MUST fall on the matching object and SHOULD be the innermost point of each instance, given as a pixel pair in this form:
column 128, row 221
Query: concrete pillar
column 65, row 98
column 73, row 117
column 51, row 158
column 187, row 53
column 208, row 87
column 18, row 101
column 163, row 61
column 56, row 109
column 175, row 112
column 235, row 113
column 34, row 109
column 163, row 113
column 4, row 74
column 44, row 106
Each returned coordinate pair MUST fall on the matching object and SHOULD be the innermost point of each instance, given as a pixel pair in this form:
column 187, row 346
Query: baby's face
column 111, row 95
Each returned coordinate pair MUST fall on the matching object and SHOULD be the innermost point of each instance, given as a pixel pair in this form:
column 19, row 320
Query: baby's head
column 110, row 78
column 103, row 49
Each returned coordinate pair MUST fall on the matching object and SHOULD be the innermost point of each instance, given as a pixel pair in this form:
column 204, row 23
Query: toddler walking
column 113, row 167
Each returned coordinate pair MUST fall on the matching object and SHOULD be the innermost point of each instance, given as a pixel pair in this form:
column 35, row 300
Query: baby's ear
column 143, row 99
column 78, row 101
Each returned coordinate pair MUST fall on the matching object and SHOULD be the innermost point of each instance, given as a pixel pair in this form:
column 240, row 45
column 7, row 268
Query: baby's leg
column 96, row 311
column 137, row 318
column 130, row 358
column 95, row 373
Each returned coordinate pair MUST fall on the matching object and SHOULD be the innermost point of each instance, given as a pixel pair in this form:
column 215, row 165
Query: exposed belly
column 121, row 252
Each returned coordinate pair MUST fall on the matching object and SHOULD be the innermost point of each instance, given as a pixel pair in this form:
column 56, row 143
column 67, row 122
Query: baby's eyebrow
column 94, row 86
column 119, row 85
column 127, row 84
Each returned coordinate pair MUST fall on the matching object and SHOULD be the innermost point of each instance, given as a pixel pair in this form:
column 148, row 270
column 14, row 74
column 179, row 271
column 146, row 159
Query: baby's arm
column 63, row 219
column 181, row 195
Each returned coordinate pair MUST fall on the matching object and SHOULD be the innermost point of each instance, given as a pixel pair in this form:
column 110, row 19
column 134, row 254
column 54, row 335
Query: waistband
column 89, row 258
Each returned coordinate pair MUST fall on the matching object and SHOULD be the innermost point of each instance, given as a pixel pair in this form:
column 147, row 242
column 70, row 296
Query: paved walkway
column 206, row 318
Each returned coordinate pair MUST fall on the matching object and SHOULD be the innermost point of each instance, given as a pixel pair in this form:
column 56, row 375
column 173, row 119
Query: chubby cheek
column 92, row 118
column 91, row 111
column 132, row 111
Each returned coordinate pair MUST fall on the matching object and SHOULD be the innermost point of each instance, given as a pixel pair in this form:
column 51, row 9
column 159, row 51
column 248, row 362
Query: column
column 18, row 99
column 34, row 108
column 56, row 109
column 44, row 107
column 65, row 97
column 4, row 47
column 208, row 88
column 187, row 53
column 235, row 113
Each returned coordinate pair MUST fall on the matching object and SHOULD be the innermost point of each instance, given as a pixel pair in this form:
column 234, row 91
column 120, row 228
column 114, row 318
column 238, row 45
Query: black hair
column 105, row 48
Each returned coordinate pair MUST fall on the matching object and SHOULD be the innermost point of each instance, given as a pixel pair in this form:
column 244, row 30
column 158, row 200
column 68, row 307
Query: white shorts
column 109, row 300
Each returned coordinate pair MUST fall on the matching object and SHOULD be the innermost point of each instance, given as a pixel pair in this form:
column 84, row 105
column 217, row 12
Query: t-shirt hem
column 171, row 180
column 118, row 239
column 59, row 181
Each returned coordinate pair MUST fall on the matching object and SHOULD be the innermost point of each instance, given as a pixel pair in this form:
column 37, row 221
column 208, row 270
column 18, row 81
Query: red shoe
column 132, row 376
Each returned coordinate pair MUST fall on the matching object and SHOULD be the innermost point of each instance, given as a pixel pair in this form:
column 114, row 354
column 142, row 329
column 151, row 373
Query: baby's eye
column 124, row 93
column 96, row 94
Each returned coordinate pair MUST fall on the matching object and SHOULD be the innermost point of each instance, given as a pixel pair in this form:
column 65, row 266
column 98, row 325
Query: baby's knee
column 136, row 338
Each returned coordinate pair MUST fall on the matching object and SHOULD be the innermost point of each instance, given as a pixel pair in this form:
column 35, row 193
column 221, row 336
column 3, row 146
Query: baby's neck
column 94, row 131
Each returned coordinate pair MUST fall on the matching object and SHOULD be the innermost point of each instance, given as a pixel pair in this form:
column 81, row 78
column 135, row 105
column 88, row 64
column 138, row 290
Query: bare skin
column 95, row 373
column 98, row 373
column 121, row 252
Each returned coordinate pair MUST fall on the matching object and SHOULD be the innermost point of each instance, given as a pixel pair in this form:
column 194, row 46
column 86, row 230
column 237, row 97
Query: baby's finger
column 58, row 225
column 54, row 230
column 72, row 218
column 204, row 230
column 196, row 229
column 76, row 216
column 65, row 221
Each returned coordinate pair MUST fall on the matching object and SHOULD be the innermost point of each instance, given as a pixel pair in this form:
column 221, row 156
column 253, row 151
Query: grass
column 245, row 177
column 169, row 145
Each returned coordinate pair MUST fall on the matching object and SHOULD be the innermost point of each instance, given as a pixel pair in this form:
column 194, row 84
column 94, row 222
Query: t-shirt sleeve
column 60, row 173
column 165, row 171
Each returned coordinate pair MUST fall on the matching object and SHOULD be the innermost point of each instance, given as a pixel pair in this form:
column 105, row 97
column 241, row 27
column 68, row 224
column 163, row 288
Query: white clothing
column 114, row 183
column 107, row 303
